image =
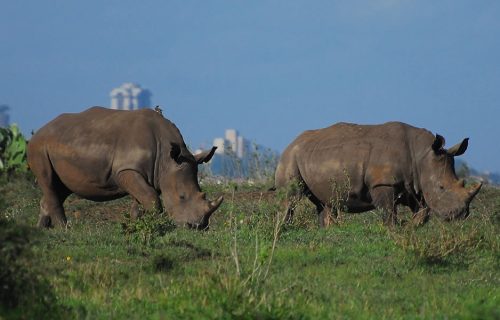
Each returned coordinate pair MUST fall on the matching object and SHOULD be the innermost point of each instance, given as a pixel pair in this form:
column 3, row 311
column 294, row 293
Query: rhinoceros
column 102, row 154
column 356, row 168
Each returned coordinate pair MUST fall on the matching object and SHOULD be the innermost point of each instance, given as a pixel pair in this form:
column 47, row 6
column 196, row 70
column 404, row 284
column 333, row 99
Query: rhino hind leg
column 54, row 193
column 52, row 211
column 144, row 194
column 383, row 198
column 325, row 217
column 296, row 189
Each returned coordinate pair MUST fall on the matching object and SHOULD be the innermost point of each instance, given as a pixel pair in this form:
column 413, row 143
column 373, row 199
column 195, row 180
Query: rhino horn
column 213, row 205
column 473, row 190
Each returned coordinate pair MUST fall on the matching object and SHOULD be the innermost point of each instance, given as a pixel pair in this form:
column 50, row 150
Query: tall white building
column 130, row 96
column 220, row 143
column 232, row 142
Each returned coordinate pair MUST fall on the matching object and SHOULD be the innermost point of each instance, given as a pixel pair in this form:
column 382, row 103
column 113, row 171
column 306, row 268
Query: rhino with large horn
column 381, row 166
column 102, row 154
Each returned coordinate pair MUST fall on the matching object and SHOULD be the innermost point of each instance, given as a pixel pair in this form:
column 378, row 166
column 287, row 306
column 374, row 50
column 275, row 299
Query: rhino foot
column 45, row 222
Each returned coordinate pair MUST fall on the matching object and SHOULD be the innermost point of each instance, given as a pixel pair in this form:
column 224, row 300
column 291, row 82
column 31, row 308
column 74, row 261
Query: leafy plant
column 12, row 150
column 148, row 227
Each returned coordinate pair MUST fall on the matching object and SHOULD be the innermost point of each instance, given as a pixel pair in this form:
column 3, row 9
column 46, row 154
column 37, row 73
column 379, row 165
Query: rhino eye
column 441, row 187
column 182, row 197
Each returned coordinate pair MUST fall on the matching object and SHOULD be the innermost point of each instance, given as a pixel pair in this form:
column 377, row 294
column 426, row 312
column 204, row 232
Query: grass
column 248, row 265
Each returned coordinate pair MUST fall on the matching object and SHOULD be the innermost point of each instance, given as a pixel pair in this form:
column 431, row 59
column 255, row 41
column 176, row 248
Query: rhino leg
column 294, row 194
column 54, row 193
column 421, row 216
column 290, row 205
column 135, row 185
column 383, row 197
column 51, row 210
column 289, row 213
column 325, row 217
column 135, row 210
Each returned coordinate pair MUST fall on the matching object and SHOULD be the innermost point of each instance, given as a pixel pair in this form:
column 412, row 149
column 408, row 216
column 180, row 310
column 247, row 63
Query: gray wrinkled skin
column 361, row 167
column 102, row 154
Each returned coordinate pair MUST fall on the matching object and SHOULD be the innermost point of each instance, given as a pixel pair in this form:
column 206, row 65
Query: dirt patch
column 118, row 210
column 81, row 209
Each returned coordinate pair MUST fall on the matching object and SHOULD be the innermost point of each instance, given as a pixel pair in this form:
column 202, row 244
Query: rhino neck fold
column 420, row 141
column 157, row 167
column 415, row 157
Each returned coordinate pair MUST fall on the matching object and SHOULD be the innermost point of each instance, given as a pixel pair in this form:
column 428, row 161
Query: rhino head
column 443, row 192
column 181, row 193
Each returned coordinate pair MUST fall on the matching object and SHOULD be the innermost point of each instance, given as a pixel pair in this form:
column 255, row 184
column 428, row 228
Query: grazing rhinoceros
column 102, row 154
column 381, row 166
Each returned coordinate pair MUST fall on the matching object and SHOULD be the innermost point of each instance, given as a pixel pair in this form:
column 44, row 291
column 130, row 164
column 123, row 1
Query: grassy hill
column 247, row 266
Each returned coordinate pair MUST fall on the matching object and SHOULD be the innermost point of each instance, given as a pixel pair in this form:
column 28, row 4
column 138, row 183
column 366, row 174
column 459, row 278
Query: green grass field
column 247, row 266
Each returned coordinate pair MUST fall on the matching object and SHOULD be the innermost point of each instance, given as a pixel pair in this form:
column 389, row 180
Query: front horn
column 473, row 190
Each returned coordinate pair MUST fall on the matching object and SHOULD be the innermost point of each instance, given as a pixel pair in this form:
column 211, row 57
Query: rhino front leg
column 383, row 197
column 135, row 210
column 421, row 216
column 135, row 185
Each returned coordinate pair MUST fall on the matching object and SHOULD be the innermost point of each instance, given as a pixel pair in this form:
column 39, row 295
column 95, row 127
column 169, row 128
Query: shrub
column 24, row 292
column 148, row 227
column 12, row 150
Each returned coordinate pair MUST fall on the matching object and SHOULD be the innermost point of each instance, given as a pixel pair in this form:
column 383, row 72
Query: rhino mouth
column 455, row 214
column 462, row 211
column 202, row 224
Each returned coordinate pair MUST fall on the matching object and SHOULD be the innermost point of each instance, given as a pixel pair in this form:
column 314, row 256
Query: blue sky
column 270, row 69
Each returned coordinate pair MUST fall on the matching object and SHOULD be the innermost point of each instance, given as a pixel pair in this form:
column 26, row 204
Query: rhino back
column 88, row 149
column 354, row 157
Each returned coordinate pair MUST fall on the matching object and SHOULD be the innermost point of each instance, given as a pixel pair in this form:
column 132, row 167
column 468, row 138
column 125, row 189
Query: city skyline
column 239, row 157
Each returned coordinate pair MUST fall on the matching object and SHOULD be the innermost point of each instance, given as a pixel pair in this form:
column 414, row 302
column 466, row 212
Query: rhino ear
column 175, row 151
column 205, row 156
column 438, row 143
column 459, row 148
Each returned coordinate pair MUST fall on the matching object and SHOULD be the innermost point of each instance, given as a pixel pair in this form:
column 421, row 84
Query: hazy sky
column 270, row 69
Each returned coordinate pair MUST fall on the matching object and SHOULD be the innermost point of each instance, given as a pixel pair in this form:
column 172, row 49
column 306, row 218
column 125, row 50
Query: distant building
column 232, row 143
column 4, row 116
column 130, row 96
column 237, row 157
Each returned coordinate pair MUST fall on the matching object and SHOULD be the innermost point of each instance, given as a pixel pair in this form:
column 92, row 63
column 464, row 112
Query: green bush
column 24, row 292
column 12, row 150
column 147, row 228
